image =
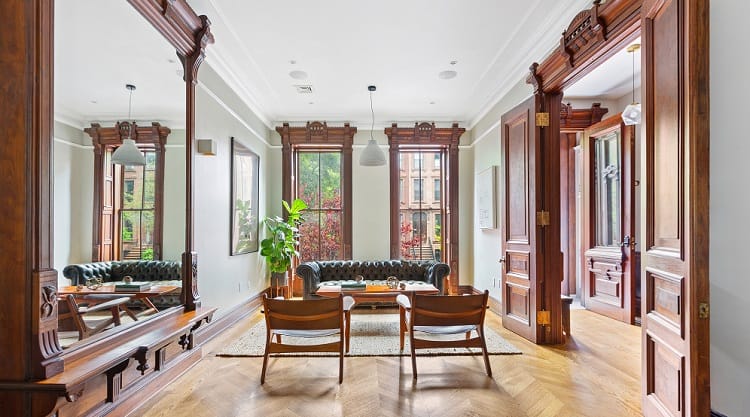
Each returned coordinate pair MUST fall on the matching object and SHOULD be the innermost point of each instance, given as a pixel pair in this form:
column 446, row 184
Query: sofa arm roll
column 436, row 273
column 79, row 273
column 310, row 273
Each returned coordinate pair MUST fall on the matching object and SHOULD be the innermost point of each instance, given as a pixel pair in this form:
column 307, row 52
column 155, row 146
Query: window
column 607, row 189
column 418, row 183
column 137, row 210
column 128, row 200
column 319, row 185
column 418, row 158
column 316, row 167
column 423, row 230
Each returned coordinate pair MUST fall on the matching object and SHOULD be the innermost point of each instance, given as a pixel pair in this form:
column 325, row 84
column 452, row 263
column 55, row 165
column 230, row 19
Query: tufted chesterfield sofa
column 157, row 272
column 318, row 273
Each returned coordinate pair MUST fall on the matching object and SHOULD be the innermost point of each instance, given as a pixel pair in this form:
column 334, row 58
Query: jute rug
column 372, row 335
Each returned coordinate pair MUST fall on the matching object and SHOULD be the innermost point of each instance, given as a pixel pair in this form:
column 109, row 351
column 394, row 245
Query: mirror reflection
column 119, row 227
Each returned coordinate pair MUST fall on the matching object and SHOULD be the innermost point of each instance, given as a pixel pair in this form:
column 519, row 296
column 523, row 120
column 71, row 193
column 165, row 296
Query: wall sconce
column 206, row 147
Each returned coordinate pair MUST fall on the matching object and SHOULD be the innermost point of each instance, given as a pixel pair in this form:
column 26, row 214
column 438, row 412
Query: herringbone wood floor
column 596, row 374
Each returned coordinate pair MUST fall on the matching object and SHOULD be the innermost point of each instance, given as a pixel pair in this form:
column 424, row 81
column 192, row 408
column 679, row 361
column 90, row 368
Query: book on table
column 353, row 285
column 132, row 286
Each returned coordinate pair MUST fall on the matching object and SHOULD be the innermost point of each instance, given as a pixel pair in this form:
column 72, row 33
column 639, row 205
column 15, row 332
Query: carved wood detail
column 578, row 119
column 592, row 37
column 42, row 378
column 428, row 137
column 106, row 139
column 318, row 135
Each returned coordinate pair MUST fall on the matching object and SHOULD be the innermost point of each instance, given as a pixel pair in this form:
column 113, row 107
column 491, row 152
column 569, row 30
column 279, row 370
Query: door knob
column 501, row 260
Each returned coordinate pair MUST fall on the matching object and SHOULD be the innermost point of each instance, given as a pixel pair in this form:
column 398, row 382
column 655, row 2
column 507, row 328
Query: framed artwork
column 245, row 213
column 485, row 184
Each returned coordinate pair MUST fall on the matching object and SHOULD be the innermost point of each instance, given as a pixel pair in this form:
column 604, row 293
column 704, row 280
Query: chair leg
column 484, row 352
column 348, row 328
column 341, row 363
column 413, row 356
column 265, row 360
column 402, row 327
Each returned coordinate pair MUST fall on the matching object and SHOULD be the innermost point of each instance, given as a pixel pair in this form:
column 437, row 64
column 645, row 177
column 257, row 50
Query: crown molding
column 538, row 48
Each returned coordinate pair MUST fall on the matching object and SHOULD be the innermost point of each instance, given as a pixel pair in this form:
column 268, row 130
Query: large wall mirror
column 115, row 221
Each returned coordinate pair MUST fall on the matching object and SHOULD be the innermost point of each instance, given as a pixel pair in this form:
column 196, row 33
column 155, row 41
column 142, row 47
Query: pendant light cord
column 130, row 107
column 633, row 90
column 372, row 112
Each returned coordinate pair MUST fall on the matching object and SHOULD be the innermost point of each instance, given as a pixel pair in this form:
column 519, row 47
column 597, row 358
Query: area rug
column 372, row 335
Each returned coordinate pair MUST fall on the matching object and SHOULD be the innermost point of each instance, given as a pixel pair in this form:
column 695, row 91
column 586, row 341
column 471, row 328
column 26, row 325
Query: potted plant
column 282, row 241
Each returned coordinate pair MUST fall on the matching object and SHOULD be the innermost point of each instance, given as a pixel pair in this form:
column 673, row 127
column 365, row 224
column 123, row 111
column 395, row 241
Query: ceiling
column 96, row 55
column 342, row 46
column 612, row 79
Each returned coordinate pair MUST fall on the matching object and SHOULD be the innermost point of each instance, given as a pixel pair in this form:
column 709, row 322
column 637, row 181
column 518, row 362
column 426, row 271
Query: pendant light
column 632, row 113
column 128, row 153
column 372, row 155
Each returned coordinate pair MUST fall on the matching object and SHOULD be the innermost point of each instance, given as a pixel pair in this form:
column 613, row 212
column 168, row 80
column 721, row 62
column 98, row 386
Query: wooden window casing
column 425, row 137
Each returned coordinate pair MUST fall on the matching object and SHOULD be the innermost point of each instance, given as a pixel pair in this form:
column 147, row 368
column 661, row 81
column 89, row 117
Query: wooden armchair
column 76, row 313
column 443, row 315
column 306, row 319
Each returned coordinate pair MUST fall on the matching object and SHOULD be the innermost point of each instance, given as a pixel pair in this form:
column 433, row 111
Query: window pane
column 130, row 228
column 308, row 183
column 134, row 176
column 418, row 157
column 147, row 235
column 436, row 187
column 309, row 241
column 330, row 180
column 149, row 190
column 607, row 189
column 417, row 189
column 437, row 161
column 330, row 235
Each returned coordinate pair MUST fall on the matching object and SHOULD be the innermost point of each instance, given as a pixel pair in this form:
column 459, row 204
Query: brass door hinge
column 542, row 119
column 703, row 310
column 542, row 218
column 542, row 318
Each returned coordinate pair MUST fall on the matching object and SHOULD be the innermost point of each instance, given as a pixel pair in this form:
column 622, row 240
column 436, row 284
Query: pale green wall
column 223, row 280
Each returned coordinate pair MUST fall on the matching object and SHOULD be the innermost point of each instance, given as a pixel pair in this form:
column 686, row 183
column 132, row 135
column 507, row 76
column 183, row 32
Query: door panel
column 520, row 160
column 675, row 333
column 609, row 286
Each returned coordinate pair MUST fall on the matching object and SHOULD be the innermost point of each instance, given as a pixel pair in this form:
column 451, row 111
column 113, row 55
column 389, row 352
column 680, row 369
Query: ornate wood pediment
column 424, row 134
column 317, row 133
column 577, row 119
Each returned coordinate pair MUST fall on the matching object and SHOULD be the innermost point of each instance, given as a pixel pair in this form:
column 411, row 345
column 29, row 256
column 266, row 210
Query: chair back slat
column 446, row 310
column 318, row 314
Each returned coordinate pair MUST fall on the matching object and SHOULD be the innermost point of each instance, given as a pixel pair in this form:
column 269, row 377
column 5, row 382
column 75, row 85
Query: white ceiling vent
column 304, row 89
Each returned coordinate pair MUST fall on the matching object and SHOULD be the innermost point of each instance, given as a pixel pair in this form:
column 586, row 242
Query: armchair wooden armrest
column 77, row 312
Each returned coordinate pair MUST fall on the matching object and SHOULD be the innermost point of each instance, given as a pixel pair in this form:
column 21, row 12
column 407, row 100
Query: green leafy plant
column 283, row 237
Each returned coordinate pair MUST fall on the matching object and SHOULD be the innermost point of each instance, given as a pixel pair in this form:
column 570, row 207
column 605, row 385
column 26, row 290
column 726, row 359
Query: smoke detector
column 304, row 89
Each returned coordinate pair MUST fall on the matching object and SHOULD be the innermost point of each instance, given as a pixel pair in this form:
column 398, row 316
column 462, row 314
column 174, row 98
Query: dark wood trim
column 318, row 136
column 428, row 137
column 105, row 140
column 48, row 378
column 592, row 37
column 575, row 120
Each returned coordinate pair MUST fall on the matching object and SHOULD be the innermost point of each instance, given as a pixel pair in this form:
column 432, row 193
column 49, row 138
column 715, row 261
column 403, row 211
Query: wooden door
column 675, row 258
column 609, row 284
column 521, row 166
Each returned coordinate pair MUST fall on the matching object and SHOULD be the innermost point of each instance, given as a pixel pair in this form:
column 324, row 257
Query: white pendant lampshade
column 632, row 113
column 128, row 153
column 372, row 155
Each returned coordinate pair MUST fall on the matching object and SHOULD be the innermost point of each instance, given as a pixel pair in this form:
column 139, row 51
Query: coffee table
column 109, row 290
column 377, row 293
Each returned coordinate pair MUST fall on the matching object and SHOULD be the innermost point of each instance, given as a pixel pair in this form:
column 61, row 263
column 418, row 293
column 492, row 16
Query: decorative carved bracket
column 584, row 28
column 577, row 119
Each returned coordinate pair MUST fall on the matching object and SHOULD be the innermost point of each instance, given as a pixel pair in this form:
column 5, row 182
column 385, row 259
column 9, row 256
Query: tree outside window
column 319, row 185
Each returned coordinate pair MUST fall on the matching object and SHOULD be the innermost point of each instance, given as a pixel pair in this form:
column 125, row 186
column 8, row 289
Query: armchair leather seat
column 320, row 273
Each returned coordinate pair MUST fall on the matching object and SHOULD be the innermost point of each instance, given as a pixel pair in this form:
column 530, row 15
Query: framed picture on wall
column 485, row 185
column 245, row 213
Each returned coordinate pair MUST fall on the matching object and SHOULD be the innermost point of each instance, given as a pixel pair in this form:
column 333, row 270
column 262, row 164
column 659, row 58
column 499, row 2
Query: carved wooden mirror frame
column 27, row 222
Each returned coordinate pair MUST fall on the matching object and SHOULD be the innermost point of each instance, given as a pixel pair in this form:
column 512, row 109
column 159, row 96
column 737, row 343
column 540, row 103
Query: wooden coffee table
column 377, row 293
column 109, row 290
